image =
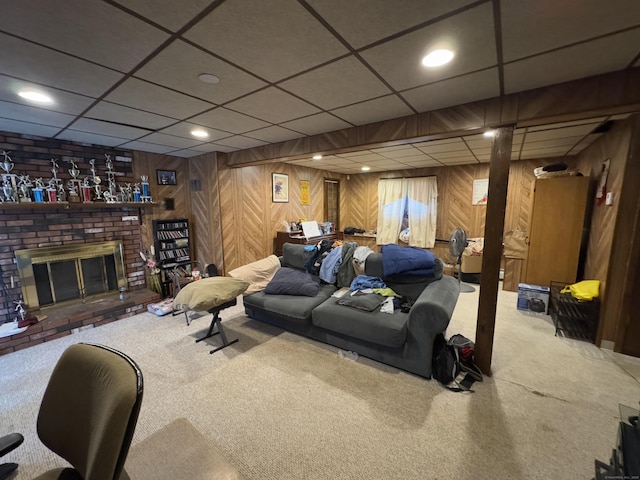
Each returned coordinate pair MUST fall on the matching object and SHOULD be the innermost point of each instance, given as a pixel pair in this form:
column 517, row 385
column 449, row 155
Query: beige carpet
column 277, row 406
column 178, row 451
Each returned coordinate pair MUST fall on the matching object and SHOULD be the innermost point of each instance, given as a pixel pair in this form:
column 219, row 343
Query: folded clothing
column 406, row 260
column 362, row 282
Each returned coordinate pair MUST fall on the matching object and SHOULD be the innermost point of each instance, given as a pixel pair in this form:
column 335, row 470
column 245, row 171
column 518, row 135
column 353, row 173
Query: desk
column 299, row 238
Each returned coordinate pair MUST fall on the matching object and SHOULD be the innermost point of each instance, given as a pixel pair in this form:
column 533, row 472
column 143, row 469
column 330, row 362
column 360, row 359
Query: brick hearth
column 60, row 321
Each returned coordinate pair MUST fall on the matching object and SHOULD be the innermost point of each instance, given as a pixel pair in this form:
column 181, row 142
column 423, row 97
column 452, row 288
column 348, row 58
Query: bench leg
column 215, row 322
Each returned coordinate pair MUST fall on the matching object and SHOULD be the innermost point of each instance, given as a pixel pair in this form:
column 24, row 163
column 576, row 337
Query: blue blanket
column 407, row 260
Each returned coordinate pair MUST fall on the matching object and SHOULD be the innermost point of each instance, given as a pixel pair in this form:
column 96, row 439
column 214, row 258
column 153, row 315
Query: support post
column 493, row 231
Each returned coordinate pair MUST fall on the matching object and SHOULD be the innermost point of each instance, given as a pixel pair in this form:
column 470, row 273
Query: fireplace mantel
column 78, row 205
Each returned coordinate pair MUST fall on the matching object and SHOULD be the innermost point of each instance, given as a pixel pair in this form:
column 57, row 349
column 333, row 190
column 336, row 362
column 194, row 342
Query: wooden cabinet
column 298, row 237
column 556, row 229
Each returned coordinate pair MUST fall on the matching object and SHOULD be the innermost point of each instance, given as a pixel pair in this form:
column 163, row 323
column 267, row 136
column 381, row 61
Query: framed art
column 166, row 177
column 305, row 192
column 280, row 187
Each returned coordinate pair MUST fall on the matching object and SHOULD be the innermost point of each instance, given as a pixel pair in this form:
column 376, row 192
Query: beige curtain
column 422, row 206
column 391, row 204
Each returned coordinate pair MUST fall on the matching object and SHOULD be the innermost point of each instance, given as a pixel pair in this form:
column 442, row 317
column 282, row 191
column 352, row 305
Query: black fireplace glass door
column 65, row 280
column 43, row 284
column 93, row 275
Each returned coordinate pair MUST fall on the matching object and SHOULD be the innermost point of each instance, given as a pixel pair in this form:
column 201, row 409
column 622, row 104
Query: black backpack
column 453, row 363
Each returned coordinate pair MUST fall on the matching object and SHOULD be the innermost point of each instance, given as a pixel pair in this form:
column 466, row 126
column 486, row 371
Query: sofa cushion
column 258, row 273
column 294, row 255
column 385, row 329
column 288, row 281
column 292, row 307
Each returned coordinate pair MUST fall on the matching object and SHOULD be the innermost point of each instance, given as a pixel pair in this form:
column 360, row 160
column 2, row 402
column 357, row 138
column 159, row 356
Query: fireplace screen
column 52, row 275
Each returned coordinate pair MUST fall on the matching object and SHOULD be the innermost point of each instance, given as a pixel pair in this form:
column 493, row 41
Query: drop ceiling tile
column 340, row 83
column 273, row 134
column 171, row 140
column 543, row 152
column 533, row 27
column 571, row 63
column 15, row 111
column 315, row 124
column 63, row 102
column 147, row 147
column 152, row 98
column 185, row 153
column 399, row 60
column 455, row 91
column 240, row 141
column 550, row 126
column 456, row 145
column 107, row 128
column 400, row 154
column 228, row 121
column 291, row 41
column 385, row 150
column 481, row 151
column 445, row 155
column 91, row 138
column 553, row 142
column 583, row 144
column 22, row 59
column 15, row 126
column 477, row 141
column 171, row 15
column 415, row 158
column 369, row 156
column 422, row 163
column 443, row 141
column 272, row 105
column 89, row 29
column 356, row 153
column 183, row 129
column 459, row 161
column 362, row 22
column 130, row 116
column 204, row 148
column 224, row 148
column 575, row 131
column 375, row 110
column 179, row 65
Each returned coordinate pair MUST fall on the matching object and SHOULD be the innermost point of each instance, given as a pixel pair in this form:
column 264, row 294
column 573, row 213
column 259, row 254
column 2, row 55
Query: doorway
column 332, row 202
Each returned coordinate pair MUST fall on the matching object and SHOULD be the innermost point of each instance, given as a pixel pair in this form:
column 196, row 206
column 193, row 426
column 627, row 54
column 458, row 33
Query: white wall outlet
column 609, row 199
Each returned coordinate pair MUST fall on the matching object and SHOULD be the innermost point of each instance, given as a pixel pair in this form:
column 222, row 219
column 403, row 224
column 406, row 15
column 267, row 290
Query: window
column 415, row 197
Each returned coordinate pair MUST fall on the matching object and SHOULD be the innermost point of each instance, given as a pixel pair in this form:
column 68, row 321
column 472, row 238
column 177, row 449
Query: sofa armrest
column 432, row 311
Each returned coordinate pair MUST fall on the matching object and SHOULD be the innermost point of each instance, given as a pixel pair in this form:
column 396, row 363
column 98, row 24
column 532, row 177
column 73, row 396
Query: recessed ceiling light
column 198, row 132
column 208, row 78
column 490, row 133
column 317, row 157
column 34, row 96
column 365, row 169
column 437, row 58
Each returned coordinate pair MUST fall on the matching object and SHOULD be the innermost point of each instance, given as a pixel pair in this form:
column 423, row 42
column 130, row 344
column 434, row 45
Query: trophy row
column 20, row 188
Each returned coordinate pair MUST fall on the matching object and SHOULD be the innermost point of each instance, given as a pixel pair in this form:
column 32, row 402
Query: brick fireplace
column 28, row 226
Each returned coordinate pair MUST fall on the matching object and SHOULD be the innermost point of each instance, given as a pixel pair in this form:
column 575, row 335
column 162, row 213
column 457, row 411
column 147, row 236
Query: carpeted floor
column 281, row 407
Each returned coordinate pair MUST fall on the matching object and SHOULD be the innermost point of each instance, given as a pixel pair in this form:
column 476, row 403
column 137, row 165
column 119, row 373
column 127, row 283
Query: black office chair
column 88, row 413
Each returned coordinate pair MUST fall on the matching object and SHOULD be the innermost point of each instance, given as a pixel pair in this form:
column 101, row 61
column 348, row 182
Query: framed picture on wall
column 280, row 187
column 166, row 177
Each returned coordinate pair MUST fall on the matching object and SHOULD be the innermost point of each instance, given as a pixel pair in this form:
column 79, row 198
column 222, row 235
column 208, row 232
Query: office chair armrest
column 10, row 442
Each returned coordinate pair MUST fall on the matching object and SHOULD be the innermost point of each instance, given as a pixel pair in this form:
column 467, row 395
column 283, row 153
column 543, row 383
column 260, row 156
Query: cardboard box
column 533, row 299
column 471, row 263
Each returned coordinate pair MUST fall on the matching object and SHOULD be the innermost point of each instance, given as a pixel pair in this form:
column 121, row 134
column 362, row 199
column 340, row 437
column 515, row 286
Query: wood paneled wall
column 249, row 218
column 455, row 188
column 615, row 146
column 146, row 163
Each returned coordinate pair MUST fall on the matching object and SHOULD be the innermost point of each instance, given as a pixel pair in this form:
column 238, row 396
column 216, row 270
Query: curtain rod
column 403, row 178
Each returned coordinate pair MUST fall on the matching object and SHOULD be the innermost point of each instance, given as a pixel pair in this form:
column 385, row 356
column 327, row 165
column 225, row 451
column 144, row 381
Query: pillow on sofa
column 288, row 281
column 363, row 301
column 258, row 273
column 206, row 293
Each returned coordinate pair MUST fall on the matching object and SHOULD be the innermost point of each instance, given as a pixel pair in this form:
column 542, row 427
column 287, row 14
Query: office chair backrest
column 90, row 409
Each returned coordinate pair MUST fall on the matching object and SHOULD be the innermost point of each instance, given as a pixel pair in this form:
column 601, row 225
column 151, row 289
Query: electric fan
column 457, row 244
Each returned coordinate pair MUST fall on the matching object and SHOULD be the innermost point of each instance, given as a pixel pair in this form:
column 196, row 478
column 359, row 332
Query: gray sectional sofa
column 403, row 340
